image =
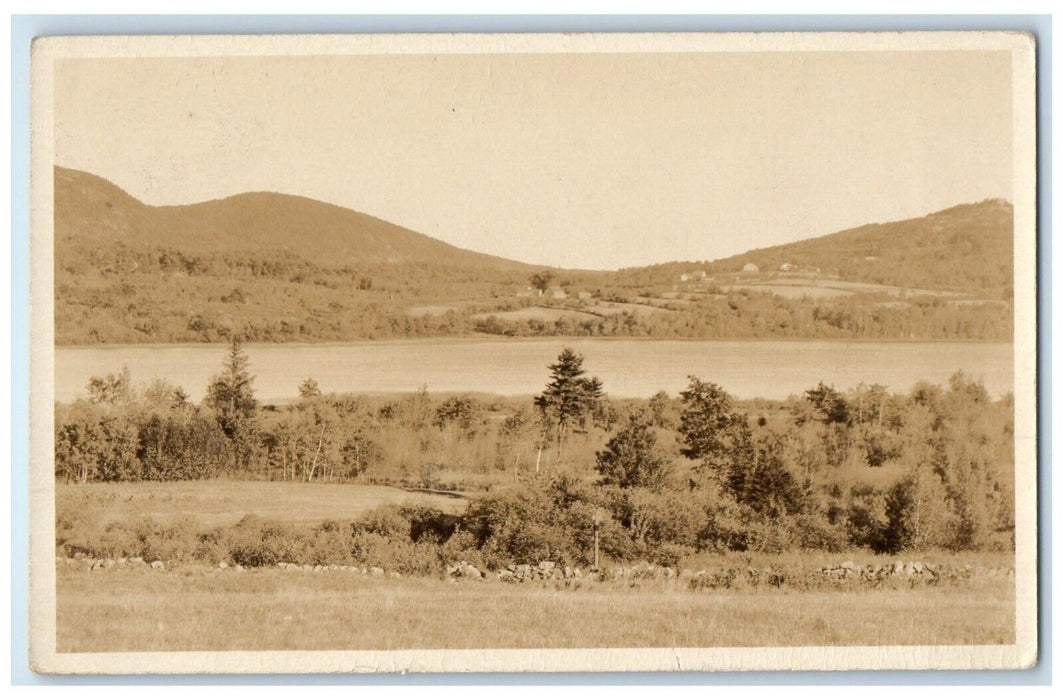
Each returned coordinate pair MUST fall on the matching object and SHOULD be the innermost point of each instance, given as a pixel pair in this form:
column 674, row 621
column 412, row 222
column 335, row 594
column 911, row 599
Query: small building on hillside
column 558, row 293
column 584, row 296
column 750, row 267
column 787, row 267
column 525, row 293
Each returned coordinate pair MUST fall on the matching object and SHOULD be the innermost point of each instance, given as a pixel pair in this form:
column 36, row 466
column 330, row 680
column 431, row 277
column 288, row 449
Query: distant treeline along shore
column 657, row 478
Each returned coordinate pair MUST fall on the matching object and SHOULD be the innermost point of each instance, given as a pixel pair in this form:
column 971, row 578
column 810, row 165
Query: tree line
column 132, row 295
column 670, row 474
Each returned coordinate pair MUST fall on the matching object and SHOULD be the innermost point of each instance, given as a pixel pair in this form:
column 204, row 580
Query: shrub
column 430, row 524
column 524, row 526
column 658, row 519
column 632, row 457
column 386, row 521
column 404, row 556
column 256, row 542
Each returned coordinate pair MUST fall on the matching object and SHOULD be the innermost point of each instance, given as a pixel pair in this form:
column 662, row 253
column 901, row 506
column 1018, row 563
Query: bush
column 430, row 524
column 256, row 542
column 528, row 525
column 386, row 521
column 658, row 519
column 404, row 556
column 632, row 457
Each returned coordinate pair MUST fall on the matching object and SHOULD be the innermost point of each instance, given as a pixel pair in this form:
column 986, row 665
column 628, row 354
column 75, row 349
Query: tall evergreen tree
column 569, row 396
column 231, row 395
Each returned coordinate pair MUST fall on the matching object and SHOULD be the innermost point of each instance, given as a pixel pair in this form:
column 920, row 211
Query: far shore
column 450, row 340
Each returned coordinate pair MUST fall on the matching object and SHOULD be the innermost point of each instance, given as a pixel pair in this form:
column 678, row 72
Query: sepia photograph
column 533, row 352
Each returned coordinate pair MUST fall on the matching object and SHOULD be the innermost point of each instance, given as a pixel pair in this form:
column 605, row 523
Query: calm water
column 640, row 368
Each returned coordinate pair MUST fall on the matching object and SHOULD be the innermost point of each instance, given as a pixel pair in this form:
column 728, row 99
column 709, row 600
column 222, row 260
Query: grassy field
column 546, row 314
column 201, row 609
column 191, row 606
column 223, row 502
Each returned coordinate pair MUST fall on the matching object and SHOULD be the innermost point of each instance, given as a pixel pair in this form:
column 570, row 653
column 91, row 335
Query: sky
column 595, row 161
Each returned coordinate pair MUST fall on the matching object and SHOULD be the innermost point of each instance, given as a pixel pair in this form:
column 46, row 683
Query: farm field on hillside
column 219, row 503
column 790, row 291
column 200, row 609
column 547, row 314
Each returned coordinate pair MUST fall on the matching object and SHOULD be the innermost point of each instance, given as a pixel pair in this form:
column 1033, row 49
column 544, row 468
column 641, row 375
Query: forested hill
column 97, row 211
column 966, row 248
column 279, row 268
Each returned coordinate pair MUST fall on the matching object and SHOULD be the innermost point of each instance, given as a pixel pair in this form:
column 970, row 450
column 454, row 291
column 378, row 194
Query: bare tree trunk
column 313, row 465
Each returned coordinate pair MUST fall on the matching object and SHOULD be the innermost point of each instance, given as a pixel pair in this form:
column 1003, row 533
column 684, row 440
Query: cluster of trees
column 669, row 475
column 124, row 294
column 755, row 315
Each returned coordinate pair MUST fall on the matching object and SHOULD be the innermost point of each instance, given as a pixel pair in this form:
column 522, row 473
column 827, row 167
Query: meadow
column 219, row 502
column 192, row 603
column 205, row 609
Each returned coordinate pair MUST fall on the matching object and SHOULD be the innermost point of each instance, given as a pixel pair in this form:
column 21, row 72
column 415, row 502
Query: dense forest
column 274, row 268
column 667, row 475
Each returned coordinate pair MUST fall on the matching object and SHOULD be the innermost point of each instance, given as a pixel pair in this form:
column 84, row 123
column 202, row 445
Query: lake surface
column 627, row 368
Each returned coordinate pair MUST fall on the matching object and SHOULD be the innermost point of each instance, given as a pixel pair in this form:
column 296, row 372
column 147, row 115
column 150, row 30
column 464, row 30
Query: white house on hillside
column 750, row 267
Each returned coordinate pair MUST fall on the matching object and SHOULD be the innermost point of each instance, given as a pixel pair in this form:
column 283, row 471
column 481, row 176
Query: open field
column 644, row 306
column 219, row 503
column 789, row 291
column 436, row 309
column 827, row 288
column 199, row 609
column 547, row 314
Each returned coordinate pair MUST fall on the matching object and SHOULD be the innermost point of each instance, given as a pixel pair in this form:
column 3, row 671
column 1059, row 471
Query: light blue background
column 25, row 27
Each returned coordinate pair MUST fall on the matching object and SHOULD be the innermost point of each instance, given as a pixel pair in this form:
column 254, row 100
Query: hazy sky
column 591, row 160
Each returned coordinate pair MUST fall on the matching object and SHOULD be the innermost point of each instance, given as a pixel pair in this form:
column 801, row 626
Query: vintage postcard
column 581, row 352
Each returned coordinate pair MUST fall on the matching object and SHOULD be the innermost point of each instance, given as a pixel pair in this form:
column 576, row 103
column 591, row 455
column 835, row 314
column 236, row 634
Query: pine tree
column 309, row 389
column 569, row 396
column 231, row 395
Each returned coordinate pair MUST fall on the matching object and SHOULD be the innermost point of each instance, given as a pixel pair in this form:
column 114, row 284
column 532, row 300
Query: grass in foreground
column 197, row 609
column 223, row 502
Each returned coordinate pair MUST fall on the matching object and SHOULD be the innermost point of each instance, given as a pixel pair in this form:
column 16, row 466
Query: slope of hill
column 94, row 209
column 967, row 248
column 277, row 268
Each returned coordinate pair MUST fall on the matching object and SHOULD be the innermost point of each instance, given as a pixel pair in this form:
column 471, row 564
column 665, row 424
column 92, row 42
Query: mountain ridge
column 282, row 268
column 262, row 220
column 251, row 221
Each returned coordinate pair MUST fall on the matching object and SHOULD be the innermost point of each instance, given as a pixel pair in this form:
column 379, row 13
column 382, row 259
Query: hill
column 94, row 209
column 279, row 268
column 966, row 248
